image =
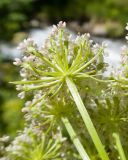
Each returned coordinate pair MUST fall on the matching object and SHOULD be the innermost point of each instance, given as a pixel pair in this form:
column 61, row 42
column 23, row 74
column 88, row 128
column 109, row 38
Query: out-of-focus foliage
column 14, row 16
column 109, row 8
column 17, row 14
column 11, row 117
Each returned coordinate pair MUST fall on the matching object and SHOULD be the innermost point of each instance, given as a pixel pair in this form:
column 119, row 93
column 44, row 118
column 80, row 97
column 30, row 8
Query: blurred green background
column 106, row 18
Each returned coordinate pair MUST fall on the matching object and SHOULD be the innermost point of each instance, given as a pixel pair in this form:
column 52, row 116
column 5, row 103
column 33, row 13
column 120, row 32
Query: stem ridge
column 87, row 120
column 75, row 139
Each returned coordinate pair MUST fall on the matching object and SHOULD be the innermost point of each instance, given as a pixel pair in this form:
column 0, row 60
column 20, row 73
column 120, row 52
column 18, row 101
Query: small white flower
column 26, row 43
column 124, row 48
column 17, row 62
column 37, row 96
column 29, row 58
column 4, row 138
column 23, row 73
column 18, row 87
column 126, row 37
column 90, row 41
column 16, row 148
column 21, row 95
column 62, row 154
column 88, row 35
column 54, row 30
column 105, row 44
column 126, row 27
column 55, row 27
column 28, row 103
column 62, row 24
column 96, row 46
column 25, row 109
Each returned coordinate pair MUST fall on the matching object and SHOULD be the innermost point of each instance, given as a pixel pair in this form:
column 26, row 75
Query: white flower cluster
column 124, row 55
column 26, row 138
column 4, row 139
column 36, row 111
column 127, row 30
column 57, row 54
column 23, row 46
column 32, row 139
column 124, row 52
column 60, row 25
column 17, row 145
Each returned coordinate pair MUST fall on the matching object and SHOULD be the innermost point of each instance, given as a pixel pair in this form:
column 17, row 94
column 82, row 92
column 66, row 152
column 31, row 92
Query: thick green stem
column 87, row 120
column 119, row 146
column 75, row 139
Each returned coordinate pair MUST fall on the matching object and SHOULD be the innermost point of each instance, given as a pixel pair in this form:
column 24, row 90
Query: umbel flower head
column 46, row 68
column 36, row 146
column 121, row 75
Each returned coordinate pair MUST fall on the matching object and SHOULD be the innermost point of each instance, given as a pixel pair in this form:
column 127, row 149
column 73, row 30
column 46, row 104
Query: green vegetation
column 71, row 85
column 72, row 108
column 17, row 14
column 14, row 16
column 11, row 118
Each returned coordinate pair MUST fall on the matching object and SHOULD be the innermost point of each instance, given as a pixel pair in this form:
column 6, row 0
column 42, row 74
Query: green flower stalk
column 87, row 120
column 54, row 68
column 119, row 146
column 75, row 139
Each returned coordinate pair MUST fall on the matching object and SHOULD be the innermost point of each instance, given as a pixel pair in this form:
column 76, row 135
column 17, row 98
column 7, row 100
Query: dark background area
column 16, row 15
